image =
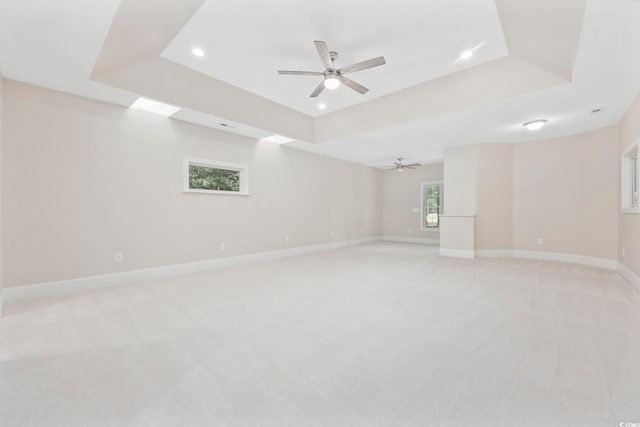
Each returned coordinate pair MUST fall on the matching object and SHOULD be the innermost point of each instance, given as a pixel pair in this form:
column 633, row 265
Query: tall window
column 431, row 205
column 629, row 183
column 207, row 176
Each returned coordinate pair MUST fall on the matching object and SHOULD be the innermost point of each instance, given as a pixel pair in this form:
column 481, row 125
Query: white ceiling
column 56, row 44
column 247, row 43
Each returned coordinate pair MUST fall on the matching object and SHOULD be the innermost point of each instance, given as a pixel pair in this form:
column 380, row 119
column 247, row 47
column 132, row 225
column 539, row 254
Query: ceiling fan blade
column 412, row 165
column 317, row 90
column 363, row 65
column 353, row 85
column 301, row 73
column 323, row 51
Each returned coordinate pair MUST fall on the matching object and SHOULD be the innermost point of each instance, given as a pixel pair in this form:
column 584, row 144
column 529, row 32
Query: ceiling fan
column 400, row 167
column 332, row 76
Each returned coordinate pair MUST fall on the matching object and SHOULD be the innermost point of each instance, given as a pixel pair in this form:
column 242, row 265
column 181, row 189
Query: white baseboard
column 458, row 253
column 494, row 253
column 411, row 240
column 84, row 284
column 629, row 276
column 610, row 264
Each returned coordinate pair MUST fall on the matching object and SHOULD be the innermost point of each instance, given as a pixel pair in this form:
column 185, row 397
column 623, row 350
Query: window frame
column 423, row 185
column 630, row 180
column 214, row 164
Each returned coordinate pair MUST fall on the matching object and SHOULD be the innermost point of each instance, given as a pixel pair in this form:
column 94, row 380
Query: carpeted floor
column 377, row 335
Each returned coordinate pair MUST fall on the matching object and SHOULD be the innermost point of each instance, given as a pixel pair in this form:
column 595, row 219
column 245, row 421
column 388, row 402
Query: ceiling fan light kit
column 333, row 77
column 331, row 82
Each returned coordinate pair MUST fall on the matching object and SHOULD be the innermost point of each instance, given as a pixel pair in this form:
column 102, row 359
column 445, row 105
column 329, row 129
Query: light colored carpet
column 377, row 335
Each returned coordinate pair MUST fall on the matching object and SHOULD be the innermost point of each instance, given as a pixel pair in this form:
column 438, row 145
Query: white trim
column 610, row 264
column 85, row 284
column 411, row 240
column 458, row 253
column 494, row 253
column 629, row 170
column 629, row 276
column 635, row 210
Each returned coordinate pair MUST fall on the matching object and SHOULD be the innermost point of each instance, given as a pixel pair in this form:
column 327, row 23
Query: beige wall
column 565, row 190
column 629, row 229
column 402, row 198
column 460, row 200
column 87, row 180
column 460, row 165
column 494, row 220
column 1, row 194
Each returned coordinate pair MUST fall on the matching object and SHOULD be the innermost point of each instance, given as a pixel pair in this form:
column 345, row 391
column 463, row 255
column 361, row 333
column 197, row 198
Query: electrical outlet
column 286, row 239
column 624, row 252
column 222, row 246
column 540, row 241
column 409, row 231
column 118, row 257
column 333, row 234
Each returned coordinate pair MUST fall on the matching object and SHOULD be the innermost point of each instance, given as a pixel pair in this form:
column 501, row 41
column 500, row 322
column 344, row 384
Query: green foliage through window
column 432, row 201
column 209, row 178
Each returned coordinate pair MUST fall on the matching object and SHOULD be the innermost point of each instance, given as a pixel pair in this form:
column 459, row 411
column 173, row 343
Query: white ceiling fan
column 400, row 167
column 332, row 76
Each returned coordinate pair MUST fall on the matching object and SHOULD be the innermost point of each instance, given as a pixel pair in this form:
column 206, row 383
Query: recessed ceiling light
column 467, row 54
column 155, row 107
column 278, row 139
column 322, row 106
column 198, row 52
column 331, row 82
column 535, row 124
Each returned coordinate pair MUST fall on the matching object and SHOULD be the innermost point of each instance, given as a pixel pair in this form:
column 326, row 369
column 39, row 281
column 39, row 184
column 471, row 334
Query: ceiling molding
column 166, row 81
column 502, row 78
column 545, row 33
column 542, row 38
column 141, row 30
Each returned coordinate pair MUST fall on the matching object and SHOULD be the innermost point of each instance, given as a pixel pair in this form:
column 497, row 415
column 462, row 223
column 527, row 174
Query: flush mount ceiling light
column 198, row 52
column 322, row 106
column 278, row 139
column 155, row 107
column 535, row 124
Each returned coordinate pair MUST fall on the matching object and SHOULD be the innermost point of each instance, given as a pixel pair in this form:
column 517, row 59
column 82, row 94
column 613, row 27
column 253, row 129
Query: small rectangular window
column 629, row 180
column 432, row 201
column 208, row 176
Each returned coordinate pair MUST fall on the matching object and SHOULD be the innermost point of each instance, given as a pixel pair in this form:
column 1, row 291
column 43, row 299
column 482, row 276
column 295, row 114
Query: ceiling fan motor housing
column 333, row 55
